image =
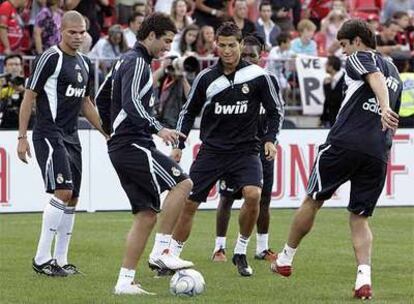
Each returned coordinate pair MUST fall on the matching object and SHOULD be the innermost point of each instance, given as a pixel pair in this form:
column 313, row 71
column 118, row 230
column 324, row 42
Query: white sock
column 126, row 276
column 262, row 242
column 52, row 216
column 220, row 243
column 63, row 236
column 363, row 276
column 162, row 242
column 286, row 256
column 176, row 247
column 241, row 245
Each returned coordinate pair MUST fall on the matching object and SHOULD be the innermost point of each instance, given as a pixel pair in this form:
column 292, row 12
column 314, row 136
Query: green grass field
column 324, row 265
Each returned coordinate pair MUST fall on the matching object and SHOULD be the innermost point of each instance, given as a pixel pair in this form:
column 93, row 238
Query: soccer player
column 61, row 84
column 356, row 150
column 144, row 172
column 250, row 53
column 229, row 95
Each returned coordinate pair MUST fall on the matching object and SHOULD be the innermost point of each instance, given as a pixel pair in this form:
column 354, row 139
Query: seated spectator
column 11, row 29
column 209, row 12
column 142, row 7
column 134, row 24
column 373, row 21
column 279, row 60
column 318, row 10
column 188, row 41
column 47, row 26
column 332, row 87
column 179, row 15
column 286, row 13
column 11, row 92
column 109, row 48
column 386, row 43
column 240, row 18
column 265, row 27
column 124, row 10
column 392, row 6
column 86, row 45
column 304, row 44
column 330, row 26
column 206, row 44
column 403, row 36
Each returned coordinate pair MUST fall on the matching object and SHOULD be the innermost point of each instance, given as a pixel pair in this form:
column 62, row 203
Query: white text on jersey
column 76, row 92
column 239, row 108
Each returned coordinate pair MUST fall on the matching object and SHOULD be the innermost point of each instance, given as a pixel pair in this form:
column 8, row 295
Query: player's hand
column 170, row 136
column 23, row 148
column 270, row 150
column 176, row 154
column 389, row 119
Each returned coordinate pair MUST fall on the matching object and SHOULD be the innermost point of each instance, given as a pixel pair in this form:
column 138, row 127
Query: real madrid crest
column 175, row 171
column 80, row 78
column 59, row 178
column 223, row 185
column 245, row 89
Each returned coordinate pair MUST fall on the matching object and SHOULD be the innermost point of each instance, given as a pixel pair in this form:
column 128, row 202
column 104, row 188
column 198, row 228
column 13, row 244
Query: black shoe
column 240, row 261
column 50, row 268
column 71, row 269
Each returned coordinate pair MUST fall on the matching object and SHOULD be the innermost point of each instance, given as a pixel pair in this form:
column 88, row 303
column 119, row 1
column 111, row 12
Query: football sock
column 262, row 242
column 241, row 245
column 176, row 247
column 126, row 276
column 162, row 242
column 52, row 216
column 286, row 256
column 220, row 243
column 363, row 276
column 63, row 236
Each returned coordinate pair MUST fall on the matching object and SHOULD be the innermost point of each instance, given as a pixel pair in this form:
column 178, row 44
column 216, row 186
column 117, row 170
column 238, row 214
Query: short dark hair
column 158, row 23
column 282, row 38
column 357, row 28
column 264, row 3
column 399, row 14
column 11, row 56
column 228, row 29
column 334, row 62
column 133, row 16
column 390, row 22
column 254, row 40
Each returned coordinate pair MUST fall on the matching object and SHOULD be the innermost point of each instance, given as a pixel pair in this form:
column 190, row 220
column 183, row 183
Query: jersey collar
column 139, row 47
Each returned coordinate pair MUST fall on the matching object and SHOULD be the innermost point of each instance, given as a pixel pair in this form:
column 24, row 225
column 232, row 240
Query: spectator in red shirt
column 11, row 26
column 405, row 33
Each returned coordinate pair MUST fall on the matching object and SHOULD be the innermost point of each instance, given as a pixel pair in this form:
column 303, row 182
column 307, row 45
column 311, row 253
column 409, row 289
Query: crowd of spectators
column 288, row 27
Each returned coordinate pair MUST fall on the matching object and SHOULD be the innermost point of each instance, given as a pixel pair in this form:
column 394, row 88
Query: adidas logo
column 372, row 106
column 77, row 67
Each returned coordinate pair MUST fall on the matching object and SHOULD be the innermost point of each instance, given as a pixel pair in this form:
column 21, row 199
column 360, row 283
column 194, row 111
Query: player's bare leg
column 301, row 225
column 362, row 241
column 247, row 220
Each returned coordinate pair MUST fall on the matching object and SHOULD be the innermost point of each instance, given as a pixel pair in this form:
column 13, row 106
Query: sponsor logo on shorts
column 175, row 171
column 223, row 185
column 68, row 182
column 59, row 178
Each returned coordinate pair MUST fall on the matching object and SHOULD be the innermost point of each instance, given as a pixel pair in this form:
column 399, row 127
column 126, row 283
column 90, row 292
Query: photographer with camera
column 172, row 81
column 11, row 92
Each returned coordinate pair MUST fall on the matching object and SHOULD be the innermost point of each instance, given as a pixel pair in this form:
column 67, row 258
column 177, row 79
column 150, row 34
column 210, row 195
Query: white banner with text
column 22, row 188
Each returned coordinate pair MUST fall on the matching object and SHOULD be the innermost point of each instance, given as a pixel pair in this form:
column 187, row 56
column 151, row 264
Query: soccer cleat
column 242, row 267
column 131, row 289
column 71, row 269
column 364, row 292
column 219, row 256
column 267, row 255
column 50, row 268
column 284, row 271
column 168, row 261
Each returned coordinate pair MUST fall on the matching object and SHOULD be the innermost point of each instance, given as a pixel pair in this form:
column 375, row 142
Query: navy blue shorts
column 227, row 187
column 242, row 169
column 60, row 163
column 334, row 166
column 144, row 173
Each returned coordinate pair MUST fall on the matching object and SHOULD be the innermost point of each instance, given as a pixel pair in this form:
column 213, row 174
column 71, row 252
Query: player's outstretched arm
column 378, row 85
column 23, row 147
column 91, row 114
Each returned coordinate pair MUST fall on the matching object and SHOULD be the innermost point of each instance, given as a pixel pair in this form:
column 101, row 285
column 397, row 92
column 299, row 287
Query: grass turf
column 324, row 266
